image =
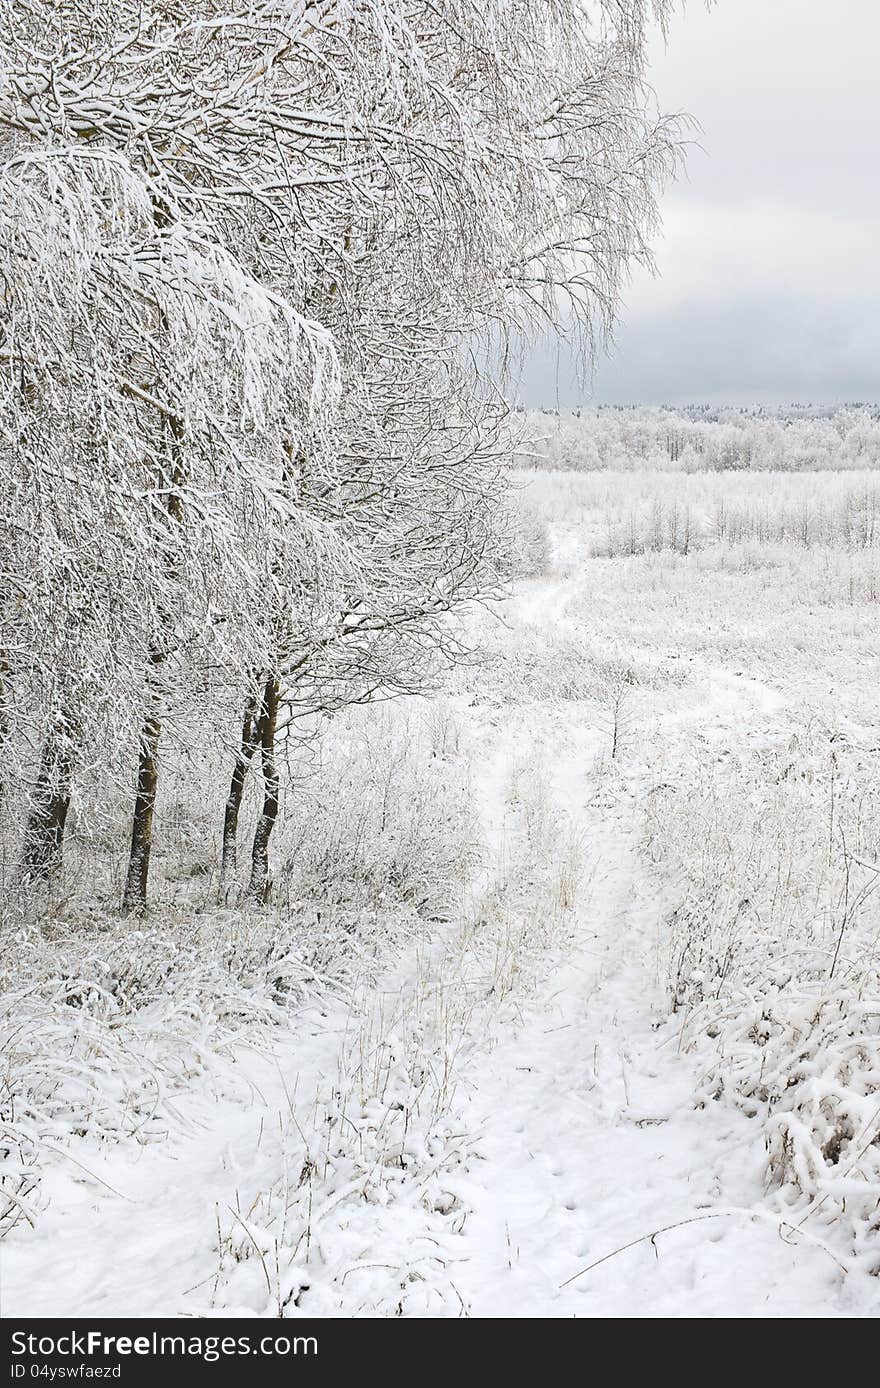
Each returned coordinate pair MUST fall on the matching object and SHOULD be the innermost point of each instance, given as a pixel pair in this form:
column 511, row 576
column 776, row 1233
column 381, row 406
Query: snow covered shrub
column 624, row 513
column 618, row 684
column 540, row 664
column 100, row 1027
column 661, row 527
column 385, row 822
column 773, row 965
column 525, row 548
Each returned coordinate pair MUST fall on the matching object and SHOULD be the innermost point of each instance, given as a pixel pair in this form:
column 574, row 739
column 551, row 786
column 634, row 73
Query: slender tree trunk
column 4, row 713
column 44, row 836
column 266, row 726
column 134, row 896
column 243, row 759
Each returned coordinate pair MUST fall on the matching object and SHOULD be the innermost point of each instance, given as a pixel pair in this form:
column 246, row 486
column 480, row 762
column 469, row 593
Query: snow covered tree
column 514, row 204
column 250, row 260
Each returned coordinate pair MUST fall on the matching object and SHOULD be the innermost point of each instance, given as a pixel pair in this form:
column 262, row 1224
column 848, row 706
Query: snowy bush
column 771, row 860
column 622, row 514
column 561, row 665
column 385, row 823
column 525, row 549
column 671, row 527
column 99, row 1026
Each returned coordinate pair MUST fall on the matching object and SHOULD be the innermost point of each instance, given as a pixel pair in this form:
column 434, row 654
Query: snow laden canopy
column 250, row 461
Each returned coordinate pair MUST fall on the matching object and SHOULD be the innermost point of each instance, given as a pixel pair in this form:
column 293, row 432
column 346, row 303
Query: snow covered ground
column 504, row 1123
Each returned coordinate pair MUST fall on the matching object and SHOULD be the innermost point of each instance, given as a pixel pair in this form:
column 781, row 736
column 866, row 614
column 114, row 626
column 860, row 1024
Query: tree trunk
column 4, row 713
column 134, row 896
column 266, row 725
column 244, row 756
column 44, row 836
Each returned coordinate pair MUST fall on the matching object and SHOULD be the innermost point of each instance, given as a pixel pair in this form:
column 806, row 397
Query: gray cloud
column 769, row 284
column 767, row 348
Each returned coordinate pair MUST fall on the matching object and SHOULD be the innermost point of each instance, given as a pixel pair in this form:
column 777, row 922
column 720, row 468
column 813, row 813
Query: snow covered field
column 627, row 1063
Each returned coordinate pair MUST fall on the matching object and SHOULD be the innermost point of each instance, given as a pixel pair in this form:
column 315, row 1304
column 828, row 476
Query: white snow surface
column 560, row 1167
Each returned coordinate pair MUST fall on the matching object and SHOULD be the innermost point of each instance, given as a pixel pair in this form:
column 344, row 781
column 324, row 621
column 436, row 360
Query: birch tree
column 505, row 200
column 250, row 260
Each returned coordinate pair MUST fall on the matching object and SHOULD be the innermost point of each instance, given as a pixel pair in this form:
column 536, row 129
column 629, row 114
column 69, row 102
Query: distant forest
column 697, row 438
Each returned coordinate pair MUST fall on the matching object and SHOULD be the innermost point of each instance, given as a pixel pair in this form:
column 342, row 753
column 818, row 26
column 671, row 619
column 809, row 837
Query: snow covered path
column 592, row 1141
column 561, row 1131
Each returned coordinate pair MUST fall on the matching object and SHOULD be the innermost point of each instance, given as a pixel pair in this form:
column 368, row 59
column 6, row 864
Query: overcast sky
column 769, row 261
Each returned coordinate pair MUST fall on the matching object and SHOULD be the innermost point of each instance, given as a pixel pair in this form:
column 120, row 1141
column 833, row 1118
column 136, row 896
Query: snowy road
column 591, row 1141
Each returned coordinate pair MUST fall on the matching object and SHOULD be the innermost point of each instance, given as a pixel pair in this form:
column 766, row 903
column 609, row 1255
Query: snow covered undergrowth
column 546, row 1101
column 773, row 959
column 104, row 1024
